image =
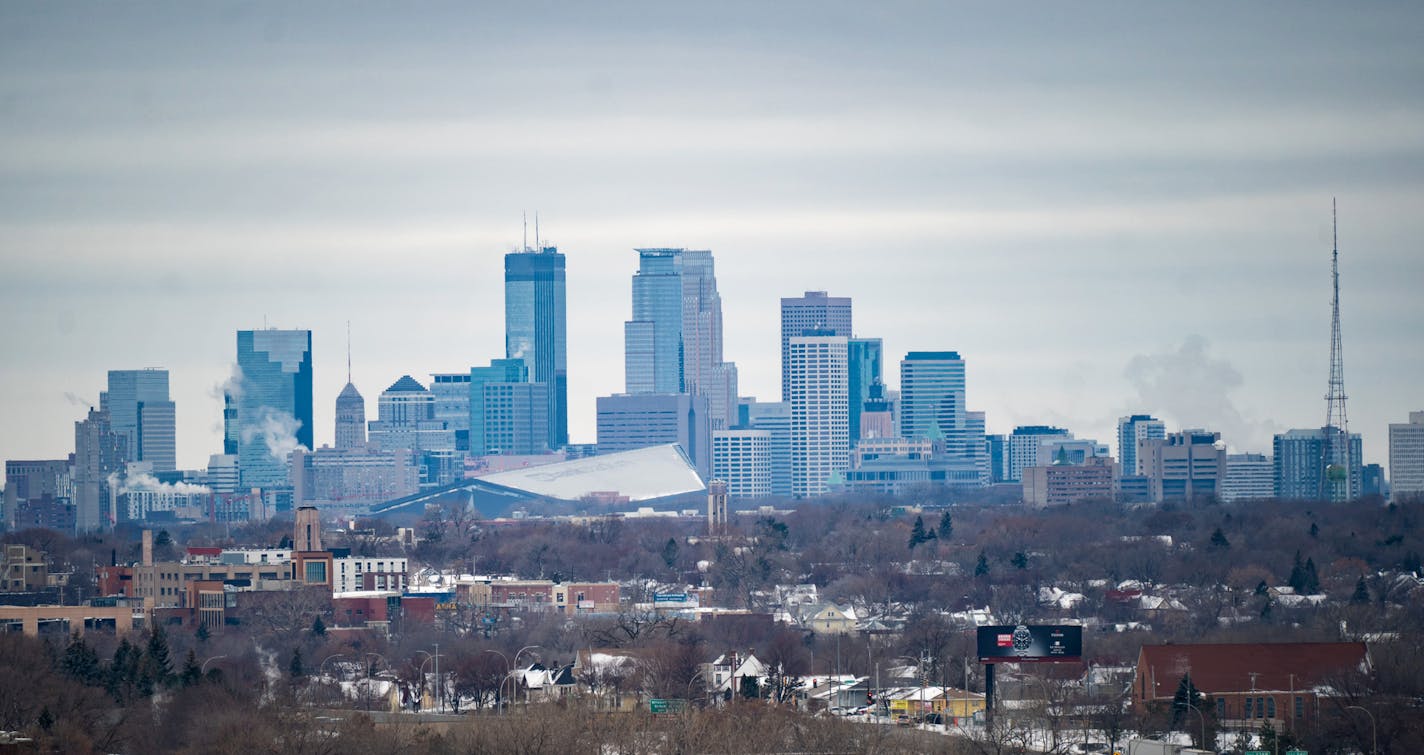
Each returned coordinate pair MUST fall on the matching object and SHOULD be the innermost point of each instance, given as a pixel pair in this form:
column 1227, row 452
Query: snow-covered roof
column 643, row 474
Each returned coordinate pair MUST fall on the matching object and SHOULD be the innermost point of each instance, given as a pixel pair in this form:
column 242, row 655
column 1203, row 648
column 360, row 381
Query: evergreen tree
column 1187, row 692
column 1362, row 593
column 1219, row 541
column 81, row 663
column 981, row 569
column 122, row 676
column 46, row 719
column 318, row 627
column 1314, row 530
column 202, row 634
column 946, row 526
column 1020, row 561
column 192, row 673
column 158, row 666
column 294, row 668
column 1297, row 575
column 1312, row 580
column 749, row 688
column 1261, row 588
column 670, row 553
column 917, row 533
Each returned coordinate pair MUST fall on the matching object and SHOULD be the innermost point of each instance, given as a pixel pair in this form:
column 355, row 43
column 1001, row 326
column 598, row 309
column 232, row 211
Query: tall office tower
column 221, row 475
column 673, row 344
column 405, row 418
column 1298, row 470
column 1131, row 432
column 817, row 311
column 350, row 418
column 99, row 451
column 1023, row 447
column 1406, row 457
column 741, row 459
column 273, row 405
column 653, row 338
column 865, row 357
column 932, row 396
column 1184, row 466
column 1249, row 477
column 536, row 326
column 139, row 408
column 506, row 409
column 775, row 418
column 820, row 417
column 877, row 421
column 452, row 404
column 631, row 421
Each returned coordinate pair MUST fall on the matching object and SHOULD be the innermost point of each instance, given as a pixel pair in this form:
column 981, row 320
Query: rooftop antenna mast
column 525, row 246
column 1335, row 479
column 537, row 246
column 348, row 352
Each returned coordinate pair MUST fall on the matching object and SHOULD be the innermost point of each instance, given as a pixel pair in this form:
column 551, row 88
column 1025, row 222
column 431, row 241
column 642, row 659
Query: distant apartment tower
column 99, row 452
column 1132, row 430
column 1406, row 457
column 628, row 422
column 350, row 419
column 775, row 418
column 865, row 357
column 139, row 407
column 814, row 310
column 1299, row 463
column 820, row 421
column 1249, row 477
column 1061, row 484
column 741, row 459
column 1023, row 446
column 535, row 323
column 272, row 410
column 1184, row 466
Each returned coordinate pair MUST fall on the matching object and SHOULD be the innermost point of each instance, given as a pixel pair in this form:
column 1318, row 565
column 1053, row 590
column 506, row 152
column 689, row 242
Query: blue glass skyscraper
column 653, row 338
column 535, row 327
column 272, row 403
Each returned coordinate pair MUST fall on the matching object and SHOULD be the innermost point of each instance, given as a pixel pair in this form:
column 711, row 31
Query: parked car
column 903, row 720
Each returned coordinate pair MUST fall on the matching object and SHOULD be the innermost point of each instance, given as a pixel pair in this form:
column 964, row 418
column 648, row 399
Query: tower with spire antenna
column 350, row 409
column 1337, row 483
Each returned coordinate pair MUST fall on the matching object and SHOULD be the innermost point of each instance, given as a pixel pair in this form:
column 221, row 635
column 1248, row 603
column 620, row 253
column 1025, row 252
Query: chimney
column 308, row 532
column 148, row 547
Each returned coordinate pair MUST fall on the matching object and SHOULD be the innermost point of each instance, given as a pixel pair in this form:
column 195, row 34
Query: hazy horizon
column 1105, row 210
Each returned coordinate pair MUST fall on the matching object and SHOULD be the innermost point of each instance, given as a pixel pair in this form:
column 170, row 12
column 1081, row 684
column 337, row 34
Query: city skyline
column 1096, row 241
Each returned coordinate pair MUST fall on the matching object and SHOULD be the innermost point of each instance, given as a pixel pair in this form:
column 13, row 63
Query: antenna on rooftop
column 348, row 352
column 525, row 246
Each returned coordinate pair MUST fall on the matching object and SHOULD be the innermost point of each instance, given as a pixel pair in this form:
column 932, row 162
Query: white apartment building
column 742, row 460
column 817, row 374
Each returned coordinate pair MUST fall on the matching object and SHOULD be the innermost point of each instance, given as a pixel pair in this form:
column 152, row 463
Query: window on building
column 1247, row 709
column 1299, row 706
column 1220, row 708
column 1260, row 707
column 1270, row 707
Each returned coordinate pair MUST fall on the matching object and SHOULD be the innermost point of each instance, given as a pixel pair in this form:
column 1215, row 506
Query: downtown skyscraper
column 270, row 404
column 817, row 369
column 139, row 407
column 673, row 343
column 814, row 311
column 536, row 327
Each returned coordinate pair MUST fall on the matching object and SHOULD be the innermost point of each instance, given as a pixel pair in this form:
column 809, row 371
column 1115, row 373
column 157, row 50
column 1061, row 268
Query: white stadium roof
column 642, row 475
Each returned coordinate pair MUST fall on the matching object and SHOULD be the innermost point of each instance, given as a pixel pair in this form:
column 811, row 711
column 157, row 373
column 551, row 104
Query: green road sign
column 1296, row 752
column 666, row 706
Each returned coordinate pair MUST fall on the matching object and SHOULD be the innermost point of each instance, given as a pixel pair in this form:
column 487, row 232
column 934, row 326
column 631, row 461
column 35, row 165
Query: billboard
column 1027, row 643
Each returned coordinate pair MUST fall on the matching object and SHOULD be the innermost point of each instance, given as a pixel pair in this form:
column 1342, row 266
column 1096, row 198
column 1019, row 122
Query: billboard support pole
column 989, row 697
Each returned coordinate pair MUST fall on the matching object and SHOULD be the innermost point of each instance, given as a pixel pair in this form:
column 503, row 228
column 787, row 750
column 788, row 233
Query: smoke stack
column 148, row 547
column 308, row 532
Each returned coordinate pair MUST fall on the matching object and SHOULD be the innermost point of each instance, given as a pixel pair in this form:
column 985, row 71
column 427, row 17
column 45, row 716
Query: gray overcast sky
column 1105, row 208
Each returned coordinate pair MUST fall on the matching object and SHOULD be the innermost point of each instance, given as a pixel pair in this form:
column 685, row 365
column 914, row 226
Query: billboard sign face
column 1036, row 643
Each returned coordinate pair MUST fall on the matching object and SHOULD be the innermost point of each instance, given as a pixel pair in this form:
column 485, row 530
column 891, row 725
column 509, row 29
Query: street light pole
column 1374, row 732
column 499, row 691
column 1203, row 725
column 204, row 668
